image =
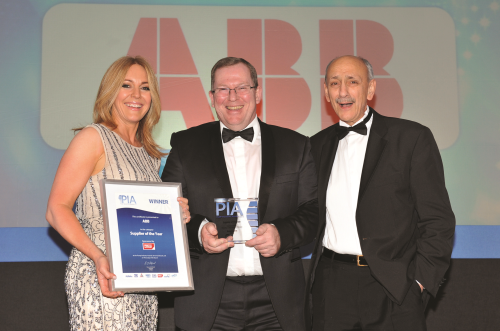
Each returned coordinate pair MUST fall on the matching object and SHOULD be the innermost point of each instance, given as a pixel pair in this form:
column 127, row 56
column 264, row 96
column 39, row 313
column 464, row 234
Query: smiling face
column 235, row 111
column 134, row 98
column 348, row 88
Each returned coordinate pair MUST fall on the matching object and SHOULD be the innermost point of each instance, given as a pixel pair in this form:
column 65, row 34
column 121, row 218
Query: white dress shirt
column 341, row 232
column 243, row 163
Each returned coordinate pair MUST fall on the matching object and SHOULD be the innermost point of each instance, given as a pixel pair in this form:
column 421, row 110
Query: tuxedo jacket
column 287, row 198
column 403, row 216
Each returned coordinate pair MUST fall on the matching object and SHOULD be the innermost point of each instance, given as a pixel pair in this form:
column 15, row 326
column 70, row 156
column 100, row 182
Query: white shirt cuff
column 205, row 221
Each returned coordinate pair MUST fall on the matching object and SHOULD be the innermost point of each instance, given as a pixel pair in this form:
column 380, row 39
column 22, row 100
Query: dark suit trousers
column 347, row 297
column 245, row 306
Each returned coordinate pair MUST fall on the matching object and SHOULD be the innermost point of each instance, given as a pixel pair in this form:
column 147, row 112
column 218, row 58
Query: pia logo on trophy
column 246, row 213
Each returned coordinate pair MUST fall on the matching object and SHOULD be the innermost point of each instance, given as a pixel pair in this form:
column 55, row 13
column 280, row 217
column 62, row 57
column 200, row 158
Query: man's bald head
column 368, row 65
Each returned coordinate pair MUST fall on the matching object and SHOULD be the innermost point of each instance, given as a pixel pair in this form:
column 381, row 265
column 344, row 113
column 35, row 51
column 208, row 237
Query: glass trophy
column 246, row 213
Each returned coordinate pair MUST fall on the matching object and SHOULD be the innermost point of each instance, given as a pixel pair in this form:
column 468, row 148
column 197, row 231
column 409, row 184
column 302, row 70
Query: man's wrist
column 422, row 288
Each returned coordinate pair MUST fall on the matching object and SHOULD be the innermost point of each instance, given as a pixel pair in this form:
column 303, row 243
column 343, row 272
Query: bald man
column 386, row 226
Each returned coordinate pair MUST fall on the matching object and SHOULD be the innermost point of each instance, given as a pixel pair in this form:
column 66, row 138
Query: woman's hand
column 103, row 277
column 186, row 215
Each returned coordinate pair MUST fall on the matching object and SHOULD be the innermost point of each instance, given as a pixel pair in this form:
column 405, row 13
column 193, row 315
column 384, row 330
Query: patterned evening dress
column 88, row 308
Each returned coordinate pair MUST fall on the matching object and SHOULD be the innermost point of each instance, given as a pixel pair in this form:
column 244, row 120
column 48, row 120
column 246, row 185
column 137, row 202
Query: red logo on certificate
column 148, row 246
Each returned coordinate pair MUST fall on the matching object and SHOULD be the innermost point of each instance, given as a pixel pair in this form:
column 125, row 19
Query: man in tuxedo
column 258, row 285
column 386, row 226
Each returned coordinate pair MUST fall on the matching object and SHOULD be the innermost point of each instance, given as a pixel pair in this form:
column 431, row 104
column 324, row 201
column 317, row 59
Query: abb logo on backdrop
column 412, row 51
column 273, row 53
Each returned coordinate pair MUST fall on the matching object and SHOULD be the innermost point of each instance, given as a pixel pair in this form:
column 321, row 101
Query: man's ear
column 258, row 94
column 211, row 95
column 371, row 89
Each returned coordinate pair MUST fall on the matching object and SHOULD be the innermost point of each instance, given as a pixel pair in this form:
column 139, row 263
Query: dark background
column 32, row 297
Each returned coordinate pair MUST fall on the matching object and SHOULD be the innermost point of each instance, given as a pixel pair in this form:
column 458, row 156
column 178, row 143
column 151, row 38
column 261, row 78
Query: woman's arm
column 84, row 157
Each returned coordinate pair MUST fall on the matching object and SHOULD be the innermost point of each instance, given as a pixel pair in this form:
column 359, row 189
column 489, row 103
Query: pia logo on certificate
column 148, row 246
column 126, row 199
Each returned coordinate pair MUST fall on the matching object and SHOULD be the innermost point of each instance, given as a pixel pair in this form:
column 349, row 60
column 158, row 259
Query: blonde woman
column 118, row 145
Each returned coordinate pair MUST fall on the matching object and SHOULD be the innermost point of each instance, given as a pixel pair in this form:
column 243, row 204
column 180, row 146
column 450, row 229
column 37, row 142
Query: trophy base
column 238, row 241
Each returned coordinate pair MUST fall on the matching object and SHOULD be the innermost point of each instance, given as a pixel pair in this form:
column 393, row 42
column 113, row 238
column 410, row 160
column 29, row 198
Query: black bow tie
column 360, row 128
column 228, row 135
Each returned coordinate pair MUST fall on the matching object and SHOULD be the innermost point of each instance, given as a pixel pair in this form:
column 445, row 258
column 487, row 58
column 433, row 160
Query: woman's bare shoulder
column 88, row 140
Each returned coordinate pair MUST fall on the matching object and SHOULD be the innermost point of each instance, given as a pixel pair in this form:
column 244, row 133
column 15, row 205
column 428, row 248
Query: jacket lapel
column 267, row 169
column 374, row 149
column 328, row 152
column 219, row 163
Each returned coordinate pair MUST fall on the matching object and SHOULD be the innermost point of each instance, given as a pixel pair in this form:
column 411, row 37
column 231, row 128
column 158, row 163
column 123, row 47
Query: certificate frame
column 147, row 213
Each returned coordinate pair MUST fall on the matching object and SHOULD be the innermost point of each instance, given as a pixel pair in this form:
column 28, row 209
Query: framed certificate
column 145, row 236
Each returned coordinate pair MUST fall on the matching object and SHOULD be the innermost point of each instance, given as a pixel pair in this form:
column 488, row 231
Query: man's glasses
column 240, row 90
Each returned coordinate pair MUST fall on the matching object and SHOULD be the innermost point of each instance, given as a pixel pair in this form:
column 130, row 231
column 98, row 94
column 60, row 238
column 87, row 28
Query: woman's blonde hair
column 108, row 91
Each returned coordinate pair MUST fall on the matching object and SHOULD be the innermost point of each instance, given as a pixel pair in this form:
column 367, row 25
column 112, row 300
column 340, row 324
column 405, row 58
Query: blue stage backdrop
column 434, row 63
